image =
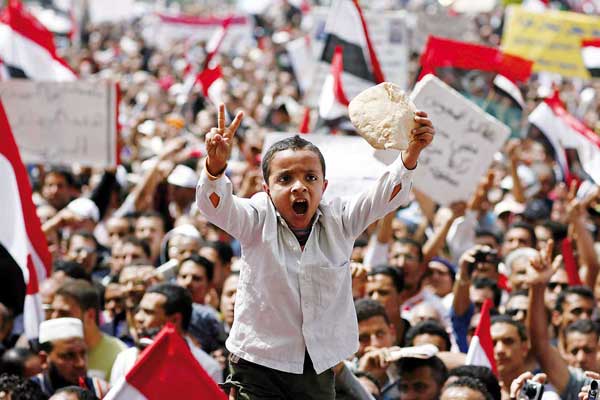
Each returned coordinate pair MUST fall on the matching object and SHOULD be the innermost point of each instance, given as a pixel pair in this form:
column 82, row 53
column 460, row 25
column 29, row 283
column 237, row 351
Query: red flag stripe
column 483, row 331
column 377, row 72
column 440, row 52
column 23, row 23
column 337, row 68
column 8, row 148
column 570, row 263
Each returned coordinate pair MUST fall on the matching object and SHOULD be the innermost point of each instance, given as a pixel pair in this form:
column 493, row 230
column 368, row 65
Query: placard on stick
column 464, row 145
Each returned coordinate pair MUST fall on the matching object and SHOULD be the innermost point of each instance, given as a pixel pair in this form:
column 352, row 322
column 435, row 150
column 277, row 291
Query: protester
column 525, row 234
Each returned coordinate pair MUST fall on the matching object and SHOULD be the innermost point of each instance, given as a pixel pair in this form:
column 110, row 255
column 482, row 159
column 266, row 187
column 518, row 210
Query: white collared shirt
column 289, row 299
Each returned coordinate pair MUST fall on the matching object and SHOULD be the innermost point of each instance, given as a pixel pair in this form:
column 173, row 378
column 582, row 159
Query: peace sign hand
column 219, row 142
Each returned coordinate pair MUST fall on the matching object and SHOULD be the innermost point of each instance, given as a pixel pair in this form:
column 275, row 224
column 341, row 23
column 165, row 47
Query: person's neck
column 92, row 335
column 409, row 291
column 507, row 378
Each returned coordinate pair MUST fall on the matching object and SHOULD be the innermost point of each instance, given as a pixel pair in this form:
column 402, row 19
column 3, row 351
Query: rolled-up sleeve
column 235, row 215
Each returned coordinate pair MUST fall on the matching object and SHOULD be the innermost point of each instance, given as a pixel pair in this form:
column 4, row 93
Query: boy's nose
column 298, row 186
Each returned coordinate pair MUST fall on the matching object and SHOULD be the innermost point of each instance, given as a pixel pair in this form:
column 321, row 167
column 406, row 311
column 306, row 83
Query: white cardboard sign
column 352, row 165
column 63, row 122
column 464, row 145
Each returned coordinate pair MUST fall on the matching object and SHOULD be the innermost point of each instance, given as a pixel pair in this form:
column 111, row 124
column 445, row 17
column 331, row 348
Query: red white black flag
column 20, row 232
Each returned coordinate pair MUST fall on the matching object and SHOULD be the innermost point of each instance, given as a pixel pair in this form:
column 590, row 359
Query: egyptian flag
column 20, row 232
column 27, row 47
column 346, row 27
column 442, row 53
column 564, row 131
column 481, row 349
column 333, row 103
column 590, row 53
column 166, row 370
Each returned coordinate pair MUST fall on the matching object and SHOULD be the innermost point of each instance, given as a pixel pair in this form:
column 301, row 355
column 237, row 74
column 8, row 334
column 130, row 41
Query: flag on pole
column 305, row 123
column 570, row 263
column 166, row 370
column 20, row 232
column 564, row 131
column 481, row 349
column 333, row 103
column 27, row 47
column 590, row 53
column 346, row 27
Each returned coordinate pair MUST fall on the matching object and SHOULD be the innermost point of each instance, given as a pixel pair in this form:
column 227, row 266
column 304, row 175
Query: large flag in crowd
column 333, row 103
column 564, row 131
column 27, row 48
column 346, row 27
column 166, row 370
column 20, row 232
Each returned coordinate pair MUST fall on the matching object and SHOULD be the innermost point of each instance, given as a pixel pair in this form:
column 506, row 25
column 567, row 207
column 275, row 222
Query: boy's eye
column 311, row 178
column 283, row 178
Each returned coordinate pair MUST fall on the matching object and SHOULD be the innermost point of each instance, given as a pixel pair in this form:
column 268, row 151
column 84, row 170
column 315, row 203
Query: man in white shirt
column 163, row 303
column 294, row 314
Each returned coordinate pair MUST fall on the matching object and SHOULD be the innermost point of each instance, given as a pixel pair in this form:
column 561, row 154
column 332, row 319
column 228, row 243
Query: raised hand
column 219, row 142
column 541, row 268
column 519, row 382
column 419, row 138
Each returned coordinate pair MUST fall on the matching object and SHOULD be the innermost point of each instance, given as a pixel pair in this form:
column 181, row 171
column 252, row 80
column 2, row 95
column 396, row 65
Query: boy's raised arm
column 214, row 195
column 393, row 187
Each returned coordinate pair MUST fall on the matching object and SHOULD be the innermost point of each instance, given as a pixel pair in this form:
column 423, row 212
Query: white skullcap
column 183, row 176
column 60, row 328
column 85, row 208
column 188, row 230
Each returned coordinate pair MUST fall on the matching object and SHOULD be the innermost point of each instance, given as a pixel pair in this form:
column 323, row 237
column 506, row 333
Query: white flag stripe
column 329, row 107
column 124, row 390
column 37, row 63
column 591, row 56
column 476, row 355
column 543, row 117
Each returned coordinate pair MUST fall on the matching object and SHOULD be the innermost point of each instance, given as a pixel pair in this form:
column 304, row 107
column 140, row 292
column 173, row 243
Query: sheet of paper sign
column 464, row 145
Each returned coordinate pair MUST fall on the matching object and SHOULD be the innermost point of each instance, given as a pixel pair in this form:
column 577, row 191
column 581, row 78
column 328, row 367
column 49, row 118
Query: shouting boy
column 294, row 314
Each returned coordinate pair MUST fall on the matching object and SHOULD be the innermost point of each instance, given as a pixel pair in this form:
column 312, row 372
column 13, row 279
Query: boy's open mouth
column 300, row 207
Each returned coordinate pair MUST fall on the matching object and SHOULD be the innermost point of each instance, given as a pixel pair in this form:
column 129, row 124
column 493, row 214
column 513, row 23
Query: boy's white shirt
column 289, row 300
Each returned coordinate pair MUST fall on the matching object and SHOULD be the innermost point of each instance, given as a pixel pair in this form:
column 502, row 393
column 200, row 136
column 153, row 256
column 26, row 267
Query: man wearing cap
column 182, row 190
column 63, row 353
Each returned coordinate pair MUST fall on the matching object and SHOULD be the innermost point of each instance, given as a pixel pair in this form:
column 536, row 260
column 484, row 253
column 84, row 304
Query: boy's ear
column 325, row 182
column 266, row 188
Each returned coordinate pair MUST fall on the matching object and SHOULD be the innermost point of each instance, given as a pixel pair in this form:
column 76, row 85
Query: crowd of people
column 134, row 249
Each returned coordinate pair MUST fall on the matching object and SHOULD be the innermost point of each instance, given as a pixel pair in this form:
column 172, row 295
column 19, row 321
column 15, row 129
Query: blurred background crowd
column 131, row 252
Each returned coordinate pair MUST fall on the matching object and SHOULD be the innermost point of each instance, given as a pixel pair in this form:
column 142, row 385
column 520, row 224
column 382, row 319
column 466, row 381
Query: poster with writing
column 552, row 39
column 63, row 122
column 389, row 34
column 352, row 165
column 464, row 145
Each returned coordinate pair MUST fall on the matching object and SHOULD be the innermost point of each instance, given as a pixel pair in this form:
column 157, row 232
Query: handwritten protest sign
column 463, row 148
column 352, row 164
column 389, row 35
column 63, row 122
column 552, row 39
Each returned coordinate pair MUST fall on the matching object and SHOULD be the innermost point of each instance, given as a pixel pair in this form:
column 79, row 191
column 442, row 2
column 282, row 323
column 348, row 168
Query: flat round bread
column 383, row 115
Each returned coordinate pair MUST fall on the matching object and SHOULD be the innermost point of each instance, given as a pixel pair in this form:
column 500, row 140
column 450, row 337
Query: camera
column 485, row 255
column 593, row 393
column 532, row 391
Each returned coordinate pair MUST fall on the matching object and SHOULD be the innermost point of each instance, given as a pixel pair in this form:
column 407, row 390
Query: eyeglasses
column 554, row 285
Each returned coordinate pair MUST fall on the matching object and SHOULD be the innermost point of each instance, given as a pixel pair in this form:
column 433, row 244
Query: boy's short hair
column 292, row 143
column 430, row 328
column 367, row 308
